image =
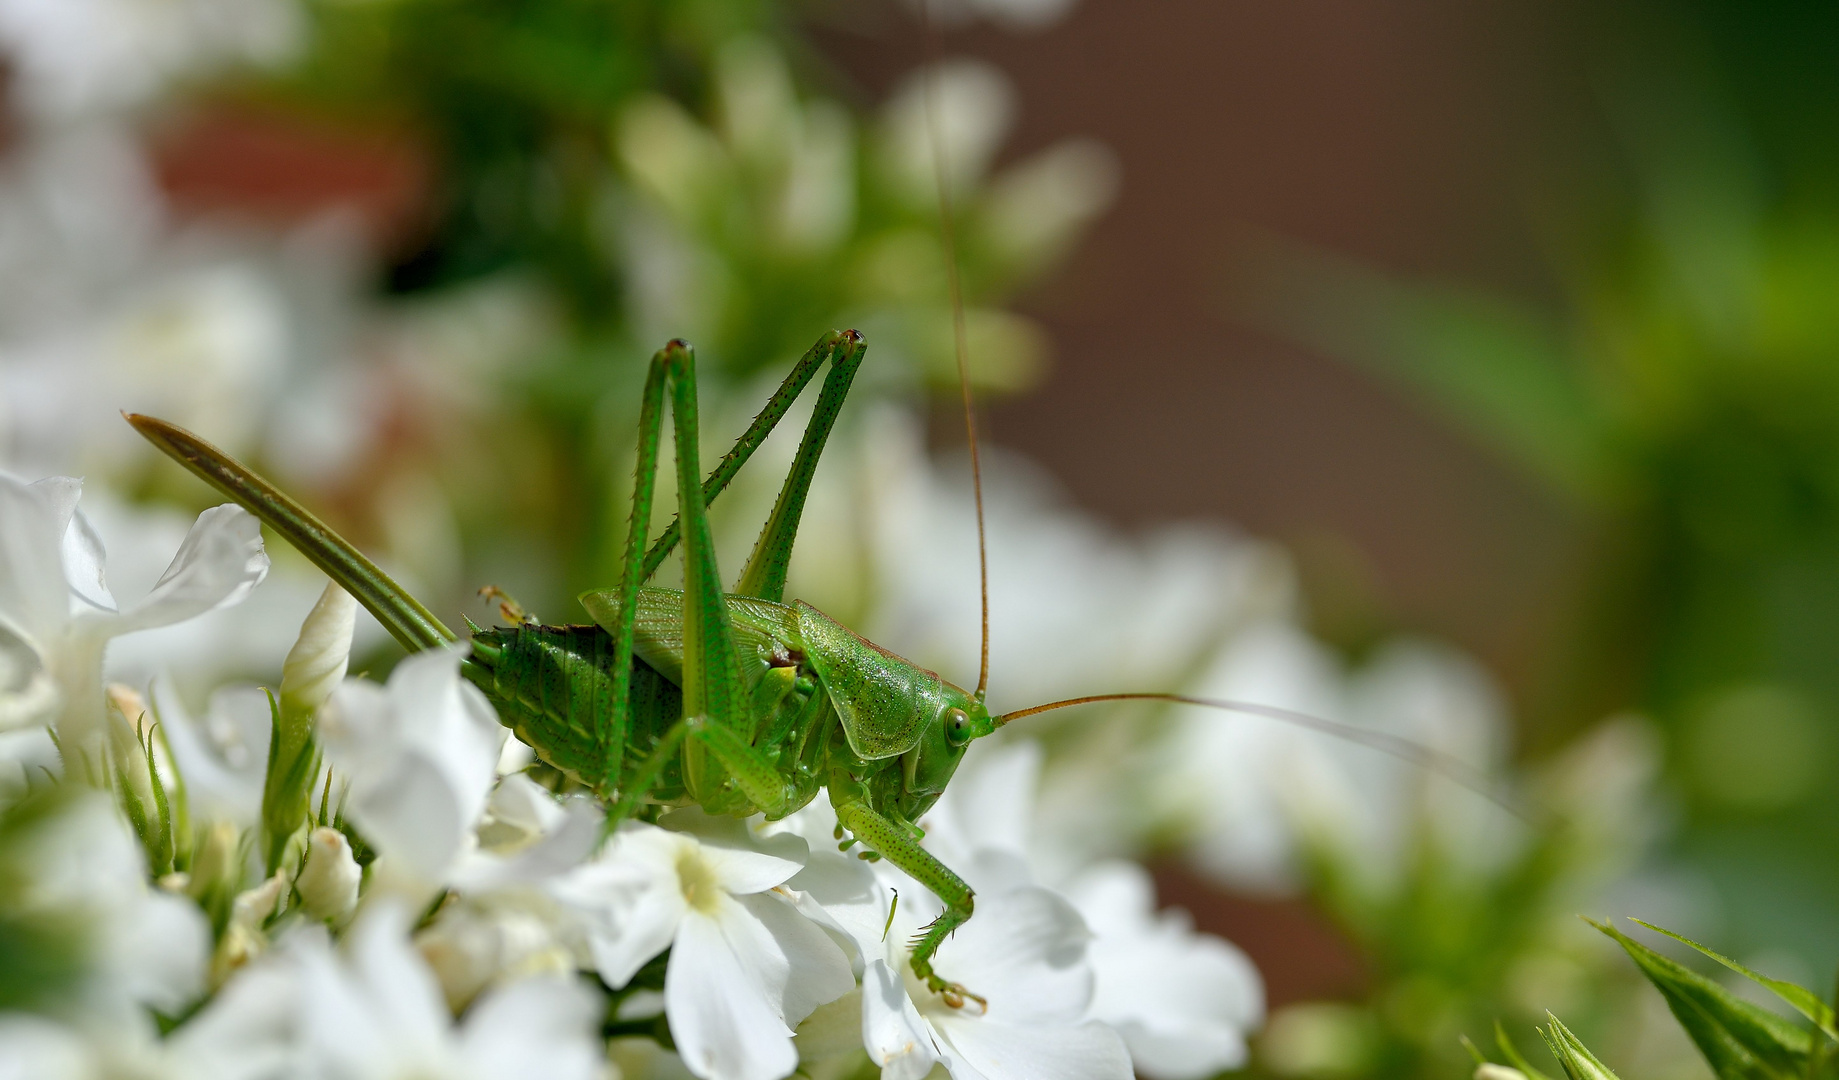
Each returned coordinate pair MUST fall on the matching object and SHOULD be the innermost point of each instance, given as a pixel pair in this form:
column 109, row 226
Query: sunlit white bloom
column 419, row 755
column 377, row 1012
column 57, row 615
column 1183, row 1001
column 1024, row 954
column 745, row 966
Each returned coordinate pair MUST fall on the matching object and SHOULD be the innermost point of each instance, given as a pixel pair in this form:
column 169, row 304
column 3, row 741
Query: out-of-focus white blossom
column 1183, row 1002
column 1025, row 15
column 377, row 1012
column 1258, row 793
column 76, row 863
column 968, row 104
column 745, row 966
column 57, row 615
column 419, row 755
column 77, row 57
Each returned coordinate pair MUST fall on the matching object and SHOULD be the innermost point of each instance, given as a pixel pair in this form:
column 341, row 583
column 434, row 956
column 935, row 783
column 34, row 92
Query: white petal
column 33, row 1048
column 420, row 756
column 84, row 561
column 415, row 817
column 538, row 1029
column 744, row 862
column 818, row 969
column 405, row 999
column 997, row 1051
column 219, row 563
column 34, row 596
column 629, row 910
column 1024, row 951
column 846, row 893
column 725, row 1023
column 29, row 694
column 249, row 1031
column 157, row 951
column 215, row 787
column 570, row 840
column 892, row 1032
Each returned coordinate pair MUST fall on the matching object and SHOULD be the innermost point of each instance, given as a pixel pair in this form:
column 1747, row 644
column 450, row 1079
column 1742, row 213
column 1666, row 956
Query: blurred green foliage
column 1684, row 397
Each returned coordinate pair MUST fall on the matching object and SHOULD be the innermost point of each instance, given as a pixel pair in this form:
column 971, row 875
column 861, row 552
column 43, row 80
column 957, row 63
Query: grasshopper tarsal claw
column 955, row 996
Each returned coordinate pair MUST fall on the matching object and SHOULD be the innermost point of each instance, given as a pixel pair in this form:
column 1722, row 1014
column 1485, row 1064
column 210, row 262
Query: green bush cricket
column 734, row 701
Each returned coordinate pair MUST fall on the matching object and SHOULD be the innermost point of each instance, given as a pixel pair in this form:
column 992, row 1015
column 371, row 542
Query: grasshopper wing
column 762, row 629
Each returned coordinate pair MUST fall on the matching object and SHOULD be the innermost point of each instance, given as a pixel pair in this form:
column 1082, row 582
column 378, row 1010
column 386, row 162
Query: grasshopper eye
column 957, row 726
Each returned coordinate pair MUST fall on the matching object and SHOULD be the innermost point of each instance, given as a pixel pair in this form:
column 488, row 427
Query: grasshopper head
column 928, row 767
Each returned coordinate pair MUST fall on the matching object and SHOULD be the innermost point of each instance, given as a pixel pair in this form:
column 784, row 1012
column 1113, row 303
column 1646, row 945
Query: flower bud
column 314, row 668
column 316, row 664
column 141, row 770
column 245, row 938
column 328, row 883
column 1488, row 1070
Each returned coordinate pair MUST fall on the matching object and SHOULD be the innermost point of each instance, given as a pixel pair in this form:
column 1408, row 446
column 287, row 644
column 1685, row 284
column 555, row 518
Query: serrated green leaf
column 1579, row 1063
column 1740, row 1041
column 1804, row 1001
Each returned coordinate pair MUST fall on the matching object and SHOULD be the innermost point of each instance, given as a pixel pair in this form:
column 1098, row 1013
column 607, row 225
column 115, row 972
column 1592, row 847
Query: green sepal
column 1740, row 1041
column 1803, row 1000
column 1578, row 1062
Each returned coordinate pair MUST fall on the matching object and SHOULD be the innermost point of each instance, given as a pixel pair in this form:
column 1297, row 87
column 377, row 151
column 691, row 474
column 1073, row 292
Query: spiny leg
column 896, row 846
column 829, row 347
column 764, row 576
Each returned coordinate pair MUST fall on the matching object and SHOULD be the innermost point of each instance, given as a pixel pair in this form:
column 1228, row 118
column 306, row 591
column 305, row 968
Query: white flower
column 80, row 861
column 1182, row 1001
column 377, row 1014
column 745, row 967
column 419, row 755
column 57, row 616
column 1023, row 953
column 1258, row 793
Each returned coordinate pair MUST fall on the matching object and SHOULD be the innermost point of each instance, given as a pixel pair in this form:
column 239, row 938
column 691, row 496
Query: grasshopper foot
column 955, row 995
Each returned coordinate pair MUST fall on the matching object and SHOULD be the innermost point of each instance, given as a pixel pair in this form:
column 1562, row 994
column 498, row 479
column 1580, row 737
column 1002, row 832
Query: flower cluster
column 347, row 878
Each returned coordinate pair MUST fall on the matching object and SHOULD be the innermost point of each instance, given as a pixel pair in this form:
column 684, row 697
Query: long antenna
column 960, row 338
column 1394, row 745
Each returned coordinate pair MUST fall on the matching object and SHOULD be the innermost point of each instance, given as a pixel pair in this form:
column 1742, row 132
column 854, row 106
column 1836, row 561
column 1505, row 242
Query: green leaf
column 1579, row 1063
column 1804, row 1001
column 1740, row 1041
